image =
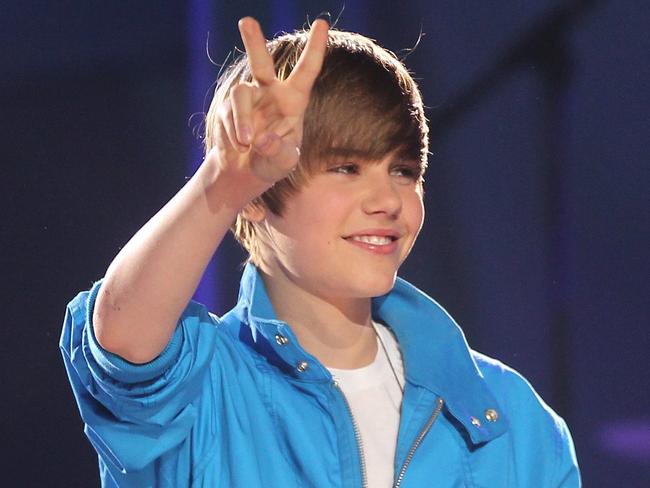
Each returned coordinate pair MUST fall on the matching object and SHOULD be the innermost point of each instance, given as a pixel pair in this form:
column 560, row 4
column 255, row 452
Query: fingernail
column 326, row 16
column 244, row 24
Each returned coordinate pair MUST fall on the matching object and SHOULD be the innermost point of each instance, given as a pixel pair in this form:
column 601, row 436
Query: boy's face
column 348, row 229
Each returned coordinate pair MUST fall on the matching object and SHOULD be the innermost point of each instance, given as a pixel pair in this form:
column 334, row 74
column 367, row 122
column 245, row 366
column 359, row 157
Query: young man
column 329, row 371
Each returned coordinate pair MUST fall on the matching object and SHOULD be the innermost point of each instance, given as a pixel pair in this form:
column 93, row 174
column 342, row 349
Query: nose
column 382, row 196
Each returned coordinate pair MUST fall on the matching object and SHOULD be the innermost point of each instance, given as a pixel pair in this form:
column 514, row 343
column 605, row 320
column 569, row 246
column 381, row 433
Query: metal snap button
column 475, row 422
column 281, row 340
column 491, row 415
column 302, row 366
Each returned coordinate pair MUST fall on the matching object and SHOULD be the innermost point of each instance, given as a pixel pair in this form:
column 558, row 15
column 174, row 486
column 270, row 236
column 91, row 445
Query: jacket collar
column 434, row 350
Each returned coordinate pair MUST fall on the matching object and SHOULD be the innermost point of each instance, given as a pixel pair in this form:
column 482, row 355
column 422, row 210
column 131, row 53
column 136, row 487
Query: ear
column 254, row 212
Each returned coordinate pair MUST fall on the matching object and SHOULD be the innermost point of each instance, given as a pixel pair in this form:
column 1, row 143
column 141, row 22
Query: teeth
column 375, row 240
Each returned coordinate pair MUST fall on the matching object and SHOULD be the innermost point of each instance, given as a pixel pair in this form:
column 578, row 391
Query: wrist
column 232, row 184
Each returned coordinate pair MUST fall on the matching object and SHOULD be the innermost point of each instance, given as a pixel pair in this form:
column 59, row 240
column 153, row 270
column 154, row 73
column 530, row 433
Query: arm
column 152, row 279
column 567, row 471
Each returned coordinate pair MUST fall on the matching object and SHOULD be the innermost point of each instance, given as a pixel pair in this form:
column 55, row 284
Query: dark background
column 537, row 192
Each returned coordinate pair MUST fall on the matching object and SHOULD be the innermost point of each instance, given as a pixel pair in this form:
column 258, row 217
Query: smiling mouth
column 382, row 243
column 373, row 240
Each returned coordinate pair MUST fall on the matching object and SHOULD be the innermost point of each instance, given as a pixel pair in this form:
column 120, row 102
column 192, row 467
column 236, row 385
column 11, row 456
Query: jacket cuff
column 119, row 368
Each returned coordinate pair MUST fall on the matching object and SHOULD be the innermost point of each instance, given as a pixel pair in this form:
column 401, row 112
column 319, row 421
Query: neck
column 336, row 330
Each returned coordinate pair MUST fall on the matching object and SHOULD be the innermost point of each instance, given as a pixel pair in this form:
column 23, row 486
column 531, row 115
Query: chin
column 376, row 285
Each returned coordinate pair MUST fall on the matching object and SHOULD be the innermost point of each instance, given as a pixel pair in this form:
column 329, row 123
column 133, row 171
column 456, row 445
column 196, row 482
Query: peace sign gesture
column 261, row 122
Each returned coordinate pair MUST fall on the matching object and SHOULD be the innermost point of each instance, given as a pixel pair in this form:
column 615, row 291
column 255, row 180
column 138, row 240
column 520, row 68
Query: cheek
column 310, row 224
column 414, row 211
column 327, row 212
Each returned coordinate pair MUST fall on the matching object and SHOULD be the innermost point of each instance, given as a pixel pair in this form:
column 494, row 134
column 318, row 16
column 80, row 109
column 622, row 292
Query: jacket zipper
column 357, row 436
column 439, row 403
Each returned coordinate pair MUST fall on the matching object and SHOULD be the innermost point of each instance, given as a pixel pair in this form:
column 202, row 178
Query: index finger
column 259, row 59
column 309, row 64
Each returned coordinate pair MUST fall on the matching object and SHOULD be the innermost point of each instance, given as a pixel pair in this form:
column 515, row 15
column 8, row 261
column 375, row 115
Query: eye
column 411, row 172
column 346, row 169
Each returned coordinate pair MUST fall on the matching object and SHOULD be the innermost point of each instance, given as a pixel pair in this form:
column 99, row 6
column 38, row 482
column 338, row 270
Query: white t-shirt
column 375, row 398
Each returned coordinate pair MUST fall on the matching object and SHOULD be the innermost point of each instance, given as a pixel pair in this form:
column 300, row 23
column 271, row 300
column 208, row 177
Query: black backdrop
column 537, row 202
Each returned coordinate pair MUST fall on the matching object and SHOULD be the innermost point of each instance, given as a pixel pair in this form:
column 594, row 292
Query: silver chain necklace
column 376, row 326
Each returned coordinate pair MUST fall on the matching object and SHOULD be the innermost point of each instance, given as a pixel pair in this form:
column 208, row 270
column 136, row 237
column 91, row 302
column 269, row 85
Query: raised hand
column 261, row 123
column 258, row 131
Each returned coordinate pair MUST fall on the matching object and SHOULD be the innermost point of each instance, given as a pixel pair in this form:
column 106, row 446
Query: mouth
column 375, row 241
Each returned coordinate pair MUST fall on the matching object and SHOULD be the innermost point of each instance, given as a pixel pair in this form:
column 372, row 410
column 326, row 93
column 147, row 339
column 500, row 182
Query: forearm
column 154, row 276
column 256, row 131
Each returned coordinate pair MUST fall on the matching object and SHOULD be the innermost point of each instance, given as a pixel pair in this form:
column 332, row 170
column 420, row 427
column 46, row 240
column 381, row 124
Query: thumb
column 276, row 157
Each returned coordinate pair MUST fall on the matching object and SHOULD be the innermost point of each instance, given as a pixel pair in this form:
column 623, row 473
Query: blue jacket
column 236, row 402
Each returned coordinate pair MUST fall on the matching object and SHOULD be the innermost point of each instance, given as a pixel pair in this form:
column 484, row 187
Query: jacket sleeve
column 542, row 450
column 567, row 471
column 134, row 414
column 541, row 437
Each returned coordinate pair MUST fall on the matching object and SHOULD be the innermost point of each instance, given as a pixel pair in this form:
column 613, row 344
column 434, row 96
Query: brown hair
column 364, row 104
